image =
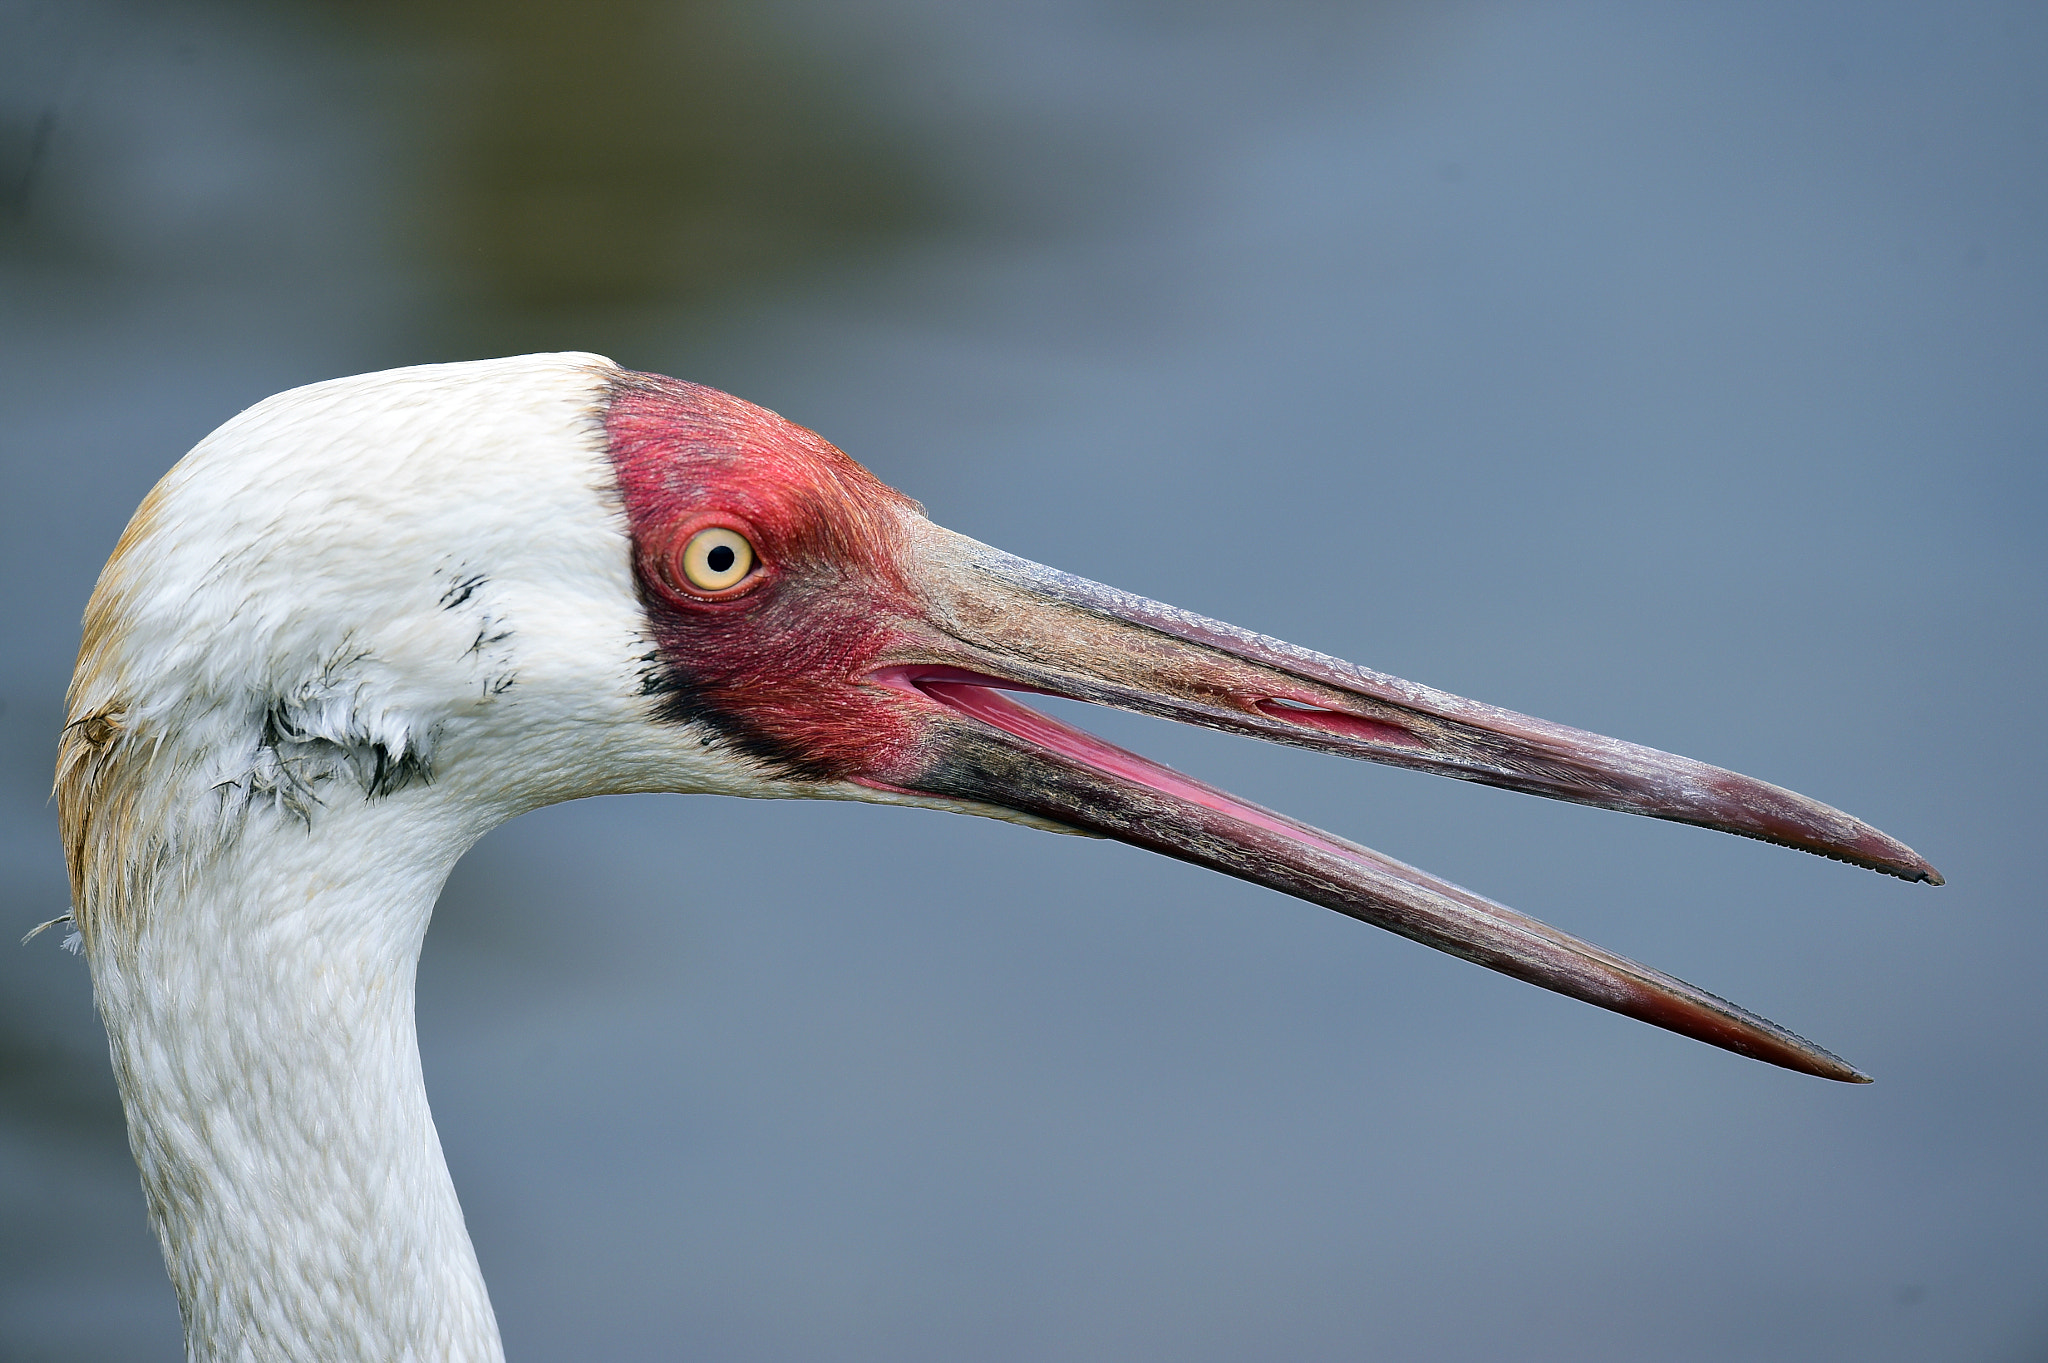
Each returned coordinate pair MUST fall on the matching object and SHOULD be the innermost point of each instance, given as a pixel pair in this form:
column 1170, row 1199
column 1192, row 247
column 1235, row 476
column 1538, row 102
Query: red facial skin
column 773, row 664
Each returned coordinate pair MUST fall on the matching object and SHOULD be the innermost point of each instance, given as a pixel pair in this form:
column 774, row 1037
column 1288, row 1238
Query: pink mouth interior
column 982, row 698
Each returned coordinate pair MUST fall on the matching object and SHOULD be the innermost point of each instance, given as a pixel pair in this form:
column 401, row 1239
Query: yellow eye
column 716, row 559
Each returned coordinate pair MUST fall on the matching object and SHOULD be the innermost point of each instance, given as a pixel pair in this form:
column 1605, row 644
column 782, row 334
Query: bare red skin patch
column 775, row 666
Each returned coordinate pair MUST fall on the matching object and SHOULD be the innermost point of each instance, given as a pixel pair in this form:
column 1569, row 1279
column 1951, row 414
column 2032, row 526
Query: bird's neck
column 260, row 1014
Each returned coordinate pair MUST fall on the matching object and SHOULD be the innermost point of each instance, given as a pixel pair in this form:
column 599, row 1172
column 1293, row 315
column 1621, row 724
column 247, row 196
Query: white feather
column 354, row 629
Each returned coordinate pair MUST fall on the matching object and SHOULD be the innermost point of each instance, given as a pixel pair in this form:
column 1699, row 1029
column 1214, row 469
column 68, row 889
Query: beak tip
column 1881, row 852
column 1826, row 1065
column 1839, row 1069
column 1913, row 869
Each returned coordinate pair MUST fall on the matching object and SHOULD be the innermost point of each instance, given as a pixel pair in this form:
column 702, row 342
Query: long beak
column 999, row 623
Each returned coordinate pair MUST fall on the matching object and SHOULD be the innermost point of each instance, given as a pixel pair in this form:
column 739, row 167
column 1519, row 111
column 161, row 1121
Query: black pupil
column 720, row 559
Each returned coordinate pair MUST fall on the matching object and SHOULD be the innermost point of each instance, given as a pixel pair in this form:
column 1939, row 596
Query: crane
column 370, row 619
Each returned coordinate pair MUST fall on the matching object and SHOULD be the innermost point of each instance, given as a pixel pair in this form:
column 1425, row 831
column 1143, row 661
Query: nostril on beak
column 1336, row 721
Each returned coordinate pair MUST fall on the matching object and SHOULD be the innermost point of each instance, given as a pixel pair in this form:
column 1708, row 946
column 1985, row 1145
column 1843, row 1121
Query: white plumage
column 279, row 623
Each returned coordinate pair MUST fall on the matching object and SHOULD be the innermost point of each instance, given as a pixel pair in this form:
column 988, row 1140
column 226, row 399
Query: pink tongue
column 994, row 708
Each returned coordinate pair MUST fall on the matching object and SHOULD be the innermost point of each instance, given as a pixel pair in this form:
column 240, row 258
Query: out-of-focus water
column 1674, row 371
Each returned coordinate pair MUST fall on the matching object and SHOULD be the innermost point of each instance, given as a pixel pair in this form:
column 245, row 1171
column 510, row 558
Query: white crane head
column 358, row 588
column 512, row 582
column 368, row 620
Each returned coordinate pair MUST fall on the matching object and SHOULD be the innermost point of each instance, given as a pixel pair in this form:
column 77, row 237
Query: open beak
column 991, row 623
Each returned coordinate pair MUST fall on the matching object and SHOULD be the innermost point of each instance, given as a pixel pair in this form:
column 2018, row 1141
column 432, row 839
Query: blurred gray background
column 1679, row 371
